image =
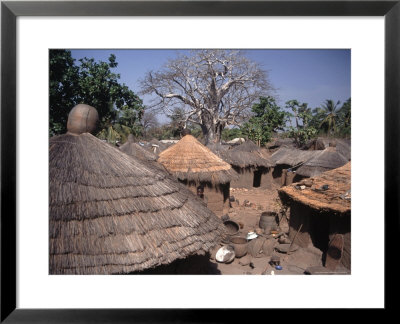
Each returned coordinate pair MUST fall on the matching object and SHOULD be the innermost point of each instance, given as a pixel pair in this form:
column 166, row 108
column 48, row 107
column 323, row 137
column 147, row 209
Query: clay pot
column 240, row 246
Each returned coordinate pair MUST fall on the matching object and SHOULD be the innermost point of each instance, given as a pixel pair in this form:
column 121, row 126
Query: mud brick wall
column 341, row 224
column 216, row 196
column 246, row 177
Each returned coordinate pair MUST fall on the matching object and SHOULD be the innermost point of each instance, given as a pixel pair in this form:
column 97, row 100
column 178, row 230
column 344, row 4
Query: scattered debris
column 275, row 260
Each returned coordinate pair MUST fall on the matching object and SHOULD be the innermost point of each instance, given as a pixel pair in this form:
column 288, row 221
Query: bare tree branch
column 215, row 88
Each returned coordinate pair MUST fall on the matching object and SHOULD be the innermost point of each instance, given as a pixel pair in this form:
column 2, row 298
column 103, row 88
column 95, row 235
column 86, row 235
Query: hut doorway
column 257, row 178
column 320, row 231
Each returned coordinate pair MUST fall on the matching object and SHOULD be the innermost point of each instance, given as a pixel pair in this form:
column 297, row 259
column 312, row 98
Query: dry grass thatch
column 322, row 161
column 291, row 157
column 283, row 142
column 190, row 160
column 134, row 149
column 246, row 155
column 343, row 146
column 110, row 213
column 339, row 182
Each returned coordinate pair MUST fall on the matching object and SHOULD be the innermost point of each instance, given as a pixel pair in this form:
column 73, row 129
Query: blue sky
column 310, row 76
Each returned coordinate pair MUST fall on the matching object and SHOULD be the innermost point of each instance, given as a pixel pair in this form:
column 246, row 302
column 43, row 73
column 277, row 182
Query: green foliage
column 268, row 118
column 231, row 133
column 330, row 116
column 304, row 131
column 318, row 116
column 302, row 135
column 95, row 84
column 177, row 123
column 344, row 119
column 62, row 92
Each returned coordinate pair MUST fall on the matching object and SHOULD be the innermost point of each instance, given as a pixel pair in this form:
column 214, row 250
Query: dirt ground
column 246, row 211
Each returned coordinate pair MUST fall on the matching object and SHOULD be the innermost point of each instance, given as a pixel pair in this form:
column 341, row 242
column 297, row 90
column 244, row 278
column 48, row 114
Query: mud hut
column 286, row 161
column 249, row 162
column 322, row 161
column 323, row 215
column 110, row 213
column 201, row 170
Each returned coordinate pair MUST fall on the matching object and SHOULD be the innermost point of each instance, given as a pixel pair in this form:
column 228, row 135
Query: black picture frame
column 10, row 10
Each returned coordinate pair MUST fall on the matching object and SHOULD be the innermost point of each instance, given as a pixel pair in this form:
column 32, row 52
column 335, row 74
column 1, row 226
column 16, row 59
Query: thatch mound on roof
column 291, row 157
column 134, row 149
column 245, row 155
column 110, row 213
column 333, row 199
column 322, row 161
column 190, row 160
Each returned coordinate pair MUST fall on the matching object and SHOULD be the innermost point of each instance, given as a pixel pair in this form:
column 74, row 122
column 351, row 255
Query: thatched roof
column 333, row 199
column 245, row 155
column 343, row 146
column 291, row 157
column 134, row 149
column 283, row 142
column 322, row 161
column 110, row 213
column 190, row 160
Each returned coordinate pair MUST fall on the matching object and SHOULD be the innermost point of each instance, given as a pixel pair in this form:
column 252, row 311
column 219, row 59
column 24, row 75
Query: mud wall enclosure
column 318, row 229
column 253, row 178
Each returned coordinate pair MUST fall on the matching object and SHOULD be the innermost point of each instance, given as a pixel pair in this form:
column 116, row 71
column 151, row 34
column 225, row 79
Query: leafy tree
column 330, row 116
column 318, row 116
column 95, row 84
column 214, row 88
column 344, row 118
column 268, row 118
column 178, row 123
column 63, row 89
column 303, row 116
column 231, row 133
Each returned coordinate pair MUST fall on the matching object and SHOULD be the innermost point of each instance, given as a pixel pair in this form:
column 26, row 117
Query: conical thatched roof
column 343, row 146
column 244, row 155
column 336, row 199
column 322, row 161
column 190, row 160
column 110, row 213
column 134, row 149
column 290, row 156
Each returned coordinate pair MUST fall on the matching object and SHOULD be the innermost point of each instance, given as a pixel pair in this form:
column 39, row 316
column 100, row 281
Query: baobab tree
column 214, row 88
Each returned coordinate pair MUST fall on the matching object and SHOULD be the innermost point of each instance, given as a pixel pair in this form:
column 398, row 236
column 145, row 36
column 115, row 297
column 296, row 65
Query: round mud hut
column 322, row 213
column 249, row 162
column 110, row 213
column 286, row 160
column 201, row 170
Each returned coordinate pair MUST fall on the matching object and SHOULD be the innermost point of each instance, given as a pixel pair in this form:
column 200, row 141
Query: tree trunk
column 212, row 133
column 208, row 133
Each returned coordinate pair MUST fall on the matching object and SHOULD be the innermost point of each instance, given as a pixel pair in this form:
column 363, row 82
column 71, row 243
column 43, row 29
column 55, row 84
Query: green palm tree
column 330, row 115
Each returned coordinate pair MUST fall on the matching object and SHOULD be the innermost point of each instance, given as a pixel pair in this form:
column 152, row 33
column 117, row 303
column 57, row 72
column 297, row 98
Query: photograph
column 199, row 161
